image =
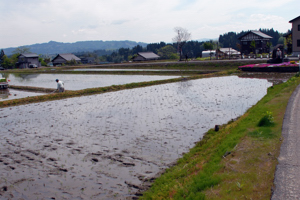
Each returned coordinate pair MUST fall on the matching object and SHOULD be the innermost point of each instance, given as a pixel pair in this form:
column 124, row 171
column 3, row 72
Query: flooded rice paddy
column 10, row 94
column 79, row 81
column 108, row 146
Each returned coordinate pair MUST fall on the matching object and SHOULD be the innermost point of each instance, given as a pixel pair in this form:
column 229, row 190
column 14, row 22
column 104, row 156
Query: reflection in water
column 4, row 94
column 184, row 86
column 275, row 78
column 4, row 75
column 26, row 77
column 9, row 94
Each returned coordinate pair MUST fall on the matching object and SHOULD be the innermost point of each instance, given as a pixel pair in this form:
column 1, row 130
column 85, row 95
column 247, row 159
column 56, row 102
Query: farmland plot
column 79, row 81
column 108, row 146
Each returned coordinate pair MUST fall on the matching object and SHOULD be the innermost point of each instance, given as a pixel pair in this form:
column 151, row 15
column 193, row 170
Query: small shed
column 228, row 52
column 261, row 40
column 26, row 59
column 64, row 58
column 206, row 54
column 143, row 56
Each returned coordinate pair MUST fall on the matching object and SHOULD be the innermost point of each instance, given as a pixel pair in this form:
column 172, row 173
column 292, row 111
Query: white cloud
column 37, row 21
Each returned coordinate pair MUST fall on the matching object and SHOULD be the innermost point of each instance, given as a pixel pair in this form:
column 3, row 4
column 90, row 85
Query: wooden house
column 64, row 58
column 143, row 56
column 295, row 36
column 25, row 60
column 260, row 39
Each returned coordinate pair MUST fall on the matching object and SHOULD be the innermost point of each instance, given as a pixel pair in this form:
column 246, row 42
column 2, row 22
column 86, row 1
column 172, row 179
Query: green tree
column 288, row 42
column 208, row 46
column 71, row 62
column 42, row 61
column 14, row 59
column 167, row 52
column 280, row 40
column 6, row 62
column 268, row 45
column 253, row 46
column 1, row 56
column 20, row 50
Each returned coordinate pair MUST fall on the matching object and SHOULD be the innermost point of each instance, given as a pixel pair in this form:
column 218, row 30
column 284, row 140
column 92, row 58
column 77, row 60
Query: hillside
column 53, row 47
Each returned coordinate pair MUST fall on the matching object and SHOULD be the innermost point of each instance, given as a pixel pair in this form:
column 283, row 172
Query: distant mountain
column 206, row 39
column 53, row 47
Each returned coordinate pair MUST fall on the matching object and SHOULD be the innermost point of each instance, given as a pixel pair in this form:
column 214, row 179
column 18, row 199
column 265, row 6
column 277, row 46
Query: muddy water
column 10, row 94
column 107, row 146
column 79, row 81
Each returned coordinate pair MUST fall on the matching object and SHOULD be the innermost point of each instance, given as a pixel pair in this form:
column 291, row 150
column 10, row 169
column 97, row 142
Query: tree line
column 230, row 39
column 192, row 49
column 176, row 50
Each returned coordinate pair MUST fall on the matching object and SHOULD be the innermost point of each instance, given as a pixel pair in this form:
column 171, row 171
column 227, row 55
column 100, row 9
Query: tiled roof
column 148, row 55
column 69, row 56
column 265, row 36
column 262, row 34
column 29, row 55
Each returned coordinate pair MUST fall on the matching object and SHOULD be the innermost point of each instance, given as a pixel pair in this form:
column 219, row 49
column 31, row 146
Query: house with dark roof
column 143, row 56
column 63, row 58
column 25, row 60
column 295, row 36
column 260, row 39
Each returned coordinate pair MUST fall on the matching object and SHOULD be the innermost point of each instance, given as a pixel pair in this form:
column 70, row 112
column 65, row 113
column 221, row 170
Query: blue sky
column 25, row 22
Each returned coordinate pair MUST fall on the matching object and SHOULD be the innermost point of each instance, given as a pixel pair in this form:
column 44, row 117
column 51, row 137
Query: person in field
column 60, row 86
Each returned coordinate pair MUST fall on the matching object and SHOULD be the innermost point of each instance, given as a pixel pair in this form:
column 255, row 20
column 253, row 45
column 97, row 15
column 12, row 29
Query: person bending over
column 60, row 86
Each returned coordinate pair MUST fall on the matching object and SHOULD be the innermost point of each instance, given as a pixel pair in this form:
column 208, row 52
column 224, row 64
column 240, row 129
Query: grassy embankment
column 237, row 162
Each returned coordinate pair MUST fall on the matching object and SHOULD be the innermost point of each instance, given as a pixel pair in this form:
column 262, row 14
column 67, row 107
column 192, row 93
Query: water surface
column 107, row 146
column 10, row 94
column 79, row 81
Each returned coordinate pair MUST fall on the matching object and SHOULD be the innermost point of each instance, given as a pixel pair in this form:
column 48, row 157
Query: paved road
column 287, row 175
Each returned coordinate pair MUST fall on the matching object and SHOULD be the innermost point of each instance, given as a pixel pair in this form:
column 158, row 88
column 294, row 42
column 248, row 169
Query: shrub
column 292, row 62
column 267, row 119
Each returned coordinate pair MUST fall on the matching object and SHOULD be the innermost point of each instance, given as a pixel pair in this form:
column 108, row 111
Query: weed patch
column 266, row 120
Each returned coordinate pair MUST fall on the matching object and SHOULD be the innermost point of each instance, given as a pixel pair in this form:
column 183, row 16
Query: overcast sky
column 25, row 22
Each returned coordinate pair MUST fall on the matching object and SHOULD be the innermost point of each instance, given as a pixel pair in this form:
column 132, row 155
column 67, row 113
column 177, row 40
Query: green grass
column 247, row 172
